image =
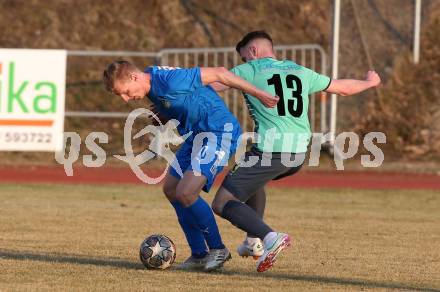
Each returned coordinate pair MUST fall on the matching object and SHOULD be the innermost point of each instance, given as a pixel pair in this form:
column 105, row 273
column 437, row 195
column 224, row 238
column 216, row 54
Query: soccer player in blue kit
column 185, row 95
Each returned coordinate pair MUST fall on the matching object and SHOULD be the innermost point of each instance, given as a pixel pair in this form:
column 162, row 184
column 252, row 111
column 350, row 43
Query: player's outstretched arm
column 225, row 77
column 347, row 87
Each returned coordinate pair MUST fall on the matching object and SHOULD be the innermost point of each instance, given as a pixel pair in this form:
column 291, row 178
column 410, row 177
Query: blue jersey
column 180, row 94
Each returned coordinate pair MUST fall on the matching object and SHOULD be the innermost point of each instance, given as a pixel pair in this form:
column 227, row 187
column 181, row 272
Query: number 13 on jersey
column 295, row 94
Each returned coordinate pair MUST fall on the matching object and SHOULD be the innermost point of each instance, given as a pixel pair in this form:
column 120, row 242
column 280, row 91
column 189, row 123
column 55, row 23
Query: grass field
column 80, row 237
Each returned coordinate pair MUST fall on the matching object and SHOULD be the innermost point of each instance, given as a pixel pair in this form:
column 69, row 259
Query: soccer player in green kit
column 283, row 136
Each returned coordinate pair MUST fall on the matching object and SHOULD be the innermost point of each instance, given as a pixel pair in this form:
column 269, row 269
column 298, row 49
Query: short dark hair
column 118, row 70
column 258, row 34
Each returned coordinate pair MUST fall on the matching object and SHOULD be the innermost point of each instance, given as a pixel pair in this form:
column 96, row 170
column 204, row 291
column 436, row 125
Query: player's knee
column 186, row 197
column 219, row 202
column 217, row 206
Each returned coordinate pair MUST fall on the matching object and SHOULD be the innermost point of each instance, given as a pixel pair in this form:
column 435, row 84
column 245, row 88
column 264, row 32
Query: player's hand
column 373, row 78
column 269, row 100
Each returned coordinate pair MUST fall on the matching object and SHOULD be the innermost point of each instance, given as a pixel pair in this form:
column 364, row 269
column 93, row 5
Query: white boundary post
column 417, row 19
column 335, row 57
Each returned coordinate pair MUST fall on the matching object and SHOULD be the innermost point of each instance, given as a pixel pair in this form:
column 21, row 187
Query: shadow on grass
column 118, row 263
column 324, row 280
column 71, row 259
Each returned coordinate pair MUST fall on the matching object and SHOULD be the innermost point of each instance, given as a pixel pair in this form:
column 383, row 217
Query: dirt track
column 305, row 179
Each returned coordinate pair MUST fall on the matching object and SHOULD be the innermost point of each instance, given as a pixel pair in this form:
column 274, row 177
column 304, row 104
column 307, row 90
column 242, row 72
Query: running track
column 304, row 179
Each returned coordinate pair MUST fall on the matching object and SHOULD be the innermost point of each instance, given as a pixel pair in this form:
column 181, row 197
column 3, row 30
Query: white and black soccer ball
column 157, row 252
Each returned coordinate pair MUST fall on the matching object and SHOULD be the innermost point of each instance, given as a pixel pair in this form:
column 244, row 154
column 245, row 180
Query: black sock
column 258, row 203
column 245, row 218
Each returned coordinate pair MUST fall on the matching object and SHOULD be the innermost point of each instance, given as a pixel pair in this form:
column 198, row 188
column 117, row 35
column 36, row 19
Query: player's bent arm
column 225, row 77
column 347, row 87
column 219, row 87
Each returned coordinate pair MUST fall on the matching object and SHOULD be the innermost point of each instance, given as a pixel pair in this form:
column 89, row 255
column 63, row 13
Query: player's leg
column 169, row 186
column 242, row 183
column 193, row 233
column 274, row 243
column 252, row 245
column 245, row 218
column 258, row 202
column 188, row 191
column 229, row 207
column 208, row 159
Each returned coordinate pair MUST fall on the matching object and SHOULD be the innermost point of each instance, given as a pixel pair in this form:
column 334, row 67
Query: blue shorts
column 206, row 156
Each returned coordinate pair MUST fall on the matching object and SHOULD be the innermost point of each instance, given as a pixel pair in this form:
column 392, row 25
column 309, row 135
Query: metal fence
column 85, row 63
column 311, row 56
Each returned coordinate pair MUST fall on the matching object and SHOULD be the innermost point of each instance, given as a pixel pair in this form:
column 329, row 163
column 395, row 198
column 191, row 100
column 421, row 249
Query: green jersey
column 284, row 128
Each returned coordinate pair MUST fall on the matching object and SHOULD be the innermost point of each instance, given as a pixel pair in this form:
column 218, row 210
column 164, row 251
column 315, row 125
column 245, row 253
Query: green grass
column 79, row 237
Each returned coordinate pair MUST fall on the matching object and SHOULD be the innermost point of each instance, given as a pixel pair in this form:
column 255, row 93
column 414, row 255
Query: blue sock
column 193, row 233
column 204, row 217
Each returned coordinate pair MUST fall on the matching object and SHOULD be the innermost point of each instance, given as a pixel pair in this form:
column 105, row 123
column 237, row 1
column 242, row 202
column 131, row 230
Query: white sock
column 252, row 240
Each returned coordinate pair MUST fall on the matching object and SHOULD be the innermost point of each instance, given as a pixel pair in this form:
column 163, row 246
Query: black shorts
column 243, row 181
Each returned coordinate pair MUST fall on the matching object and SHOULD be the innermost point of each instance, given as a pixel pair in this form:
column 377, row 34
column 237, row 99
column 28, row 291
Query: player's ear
column 253, row 50
column 133, row 76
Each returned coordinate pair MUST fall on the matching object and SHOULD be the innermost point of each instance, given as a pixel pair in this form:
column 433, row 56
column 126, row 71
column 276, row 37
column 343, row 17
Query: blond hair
column 117, row 71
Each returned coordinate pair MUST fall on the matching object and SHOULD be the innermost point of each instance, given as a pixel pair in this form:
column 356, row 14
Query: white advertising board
column 32, row 95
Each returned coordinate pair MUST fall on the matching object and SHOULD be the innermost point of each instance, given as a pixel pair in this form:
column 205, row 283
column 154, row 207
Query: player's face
column 132, row 89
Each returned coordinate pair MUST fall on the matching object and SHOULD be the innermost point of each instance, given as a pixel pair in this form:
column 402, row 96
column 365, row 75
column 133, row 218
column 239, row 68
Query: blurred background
column 374, row 34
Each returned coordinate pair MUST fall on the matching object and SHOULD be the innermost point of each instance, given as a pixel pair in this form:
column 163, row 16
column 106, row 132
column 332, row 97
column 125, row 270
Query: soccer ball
column 157, row 252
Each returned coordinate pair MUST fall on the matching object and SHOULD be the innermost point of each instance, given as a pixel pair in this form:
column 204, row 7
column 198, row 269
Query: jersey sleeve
column 245, row 71
column 177, row 81
column 318, row 82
